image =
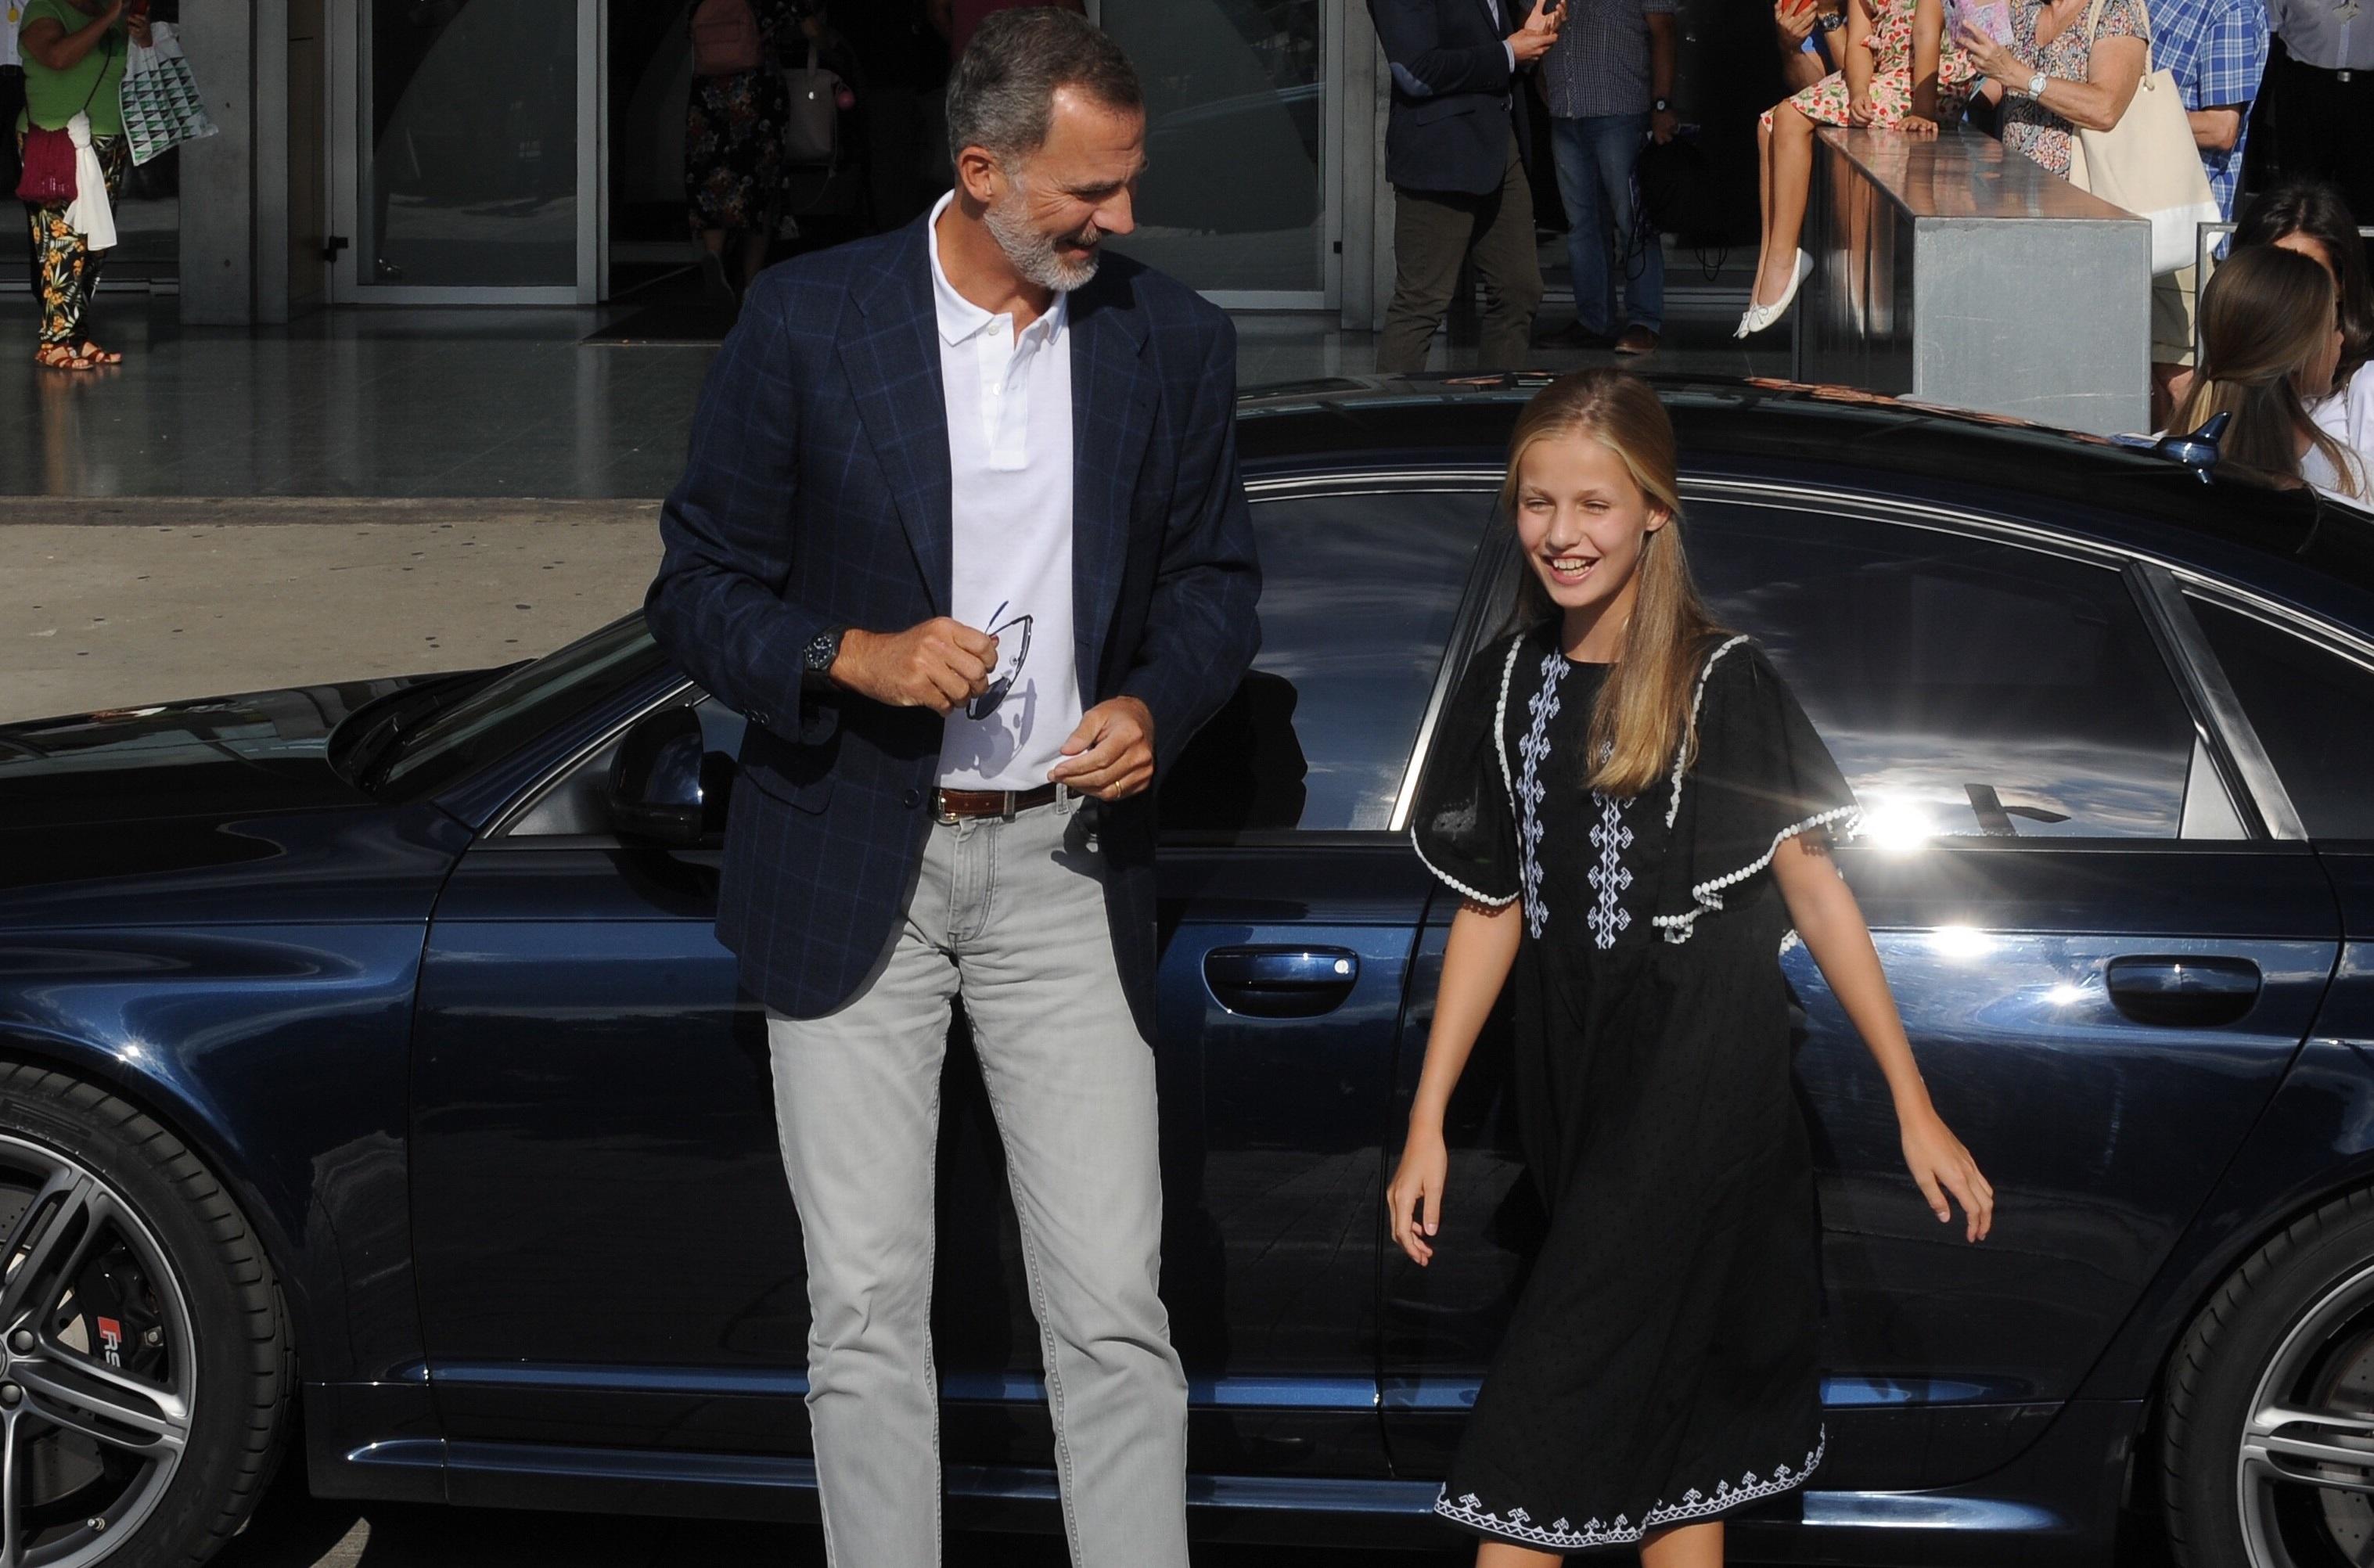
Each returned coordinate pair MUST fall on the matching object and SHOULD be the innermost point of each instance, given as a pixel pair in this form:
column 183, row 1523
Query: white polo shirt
column 1009, row 405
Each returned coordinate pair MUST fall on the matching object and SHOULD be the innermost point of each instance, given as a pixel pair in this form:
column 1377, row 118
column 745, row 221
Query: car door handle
column 2199, row 993
column 1281, row 982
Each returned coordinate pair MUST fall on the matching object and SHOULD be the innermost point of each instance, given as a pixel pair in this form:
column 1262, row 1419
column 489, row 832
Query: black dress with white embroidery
column 1660, row 1366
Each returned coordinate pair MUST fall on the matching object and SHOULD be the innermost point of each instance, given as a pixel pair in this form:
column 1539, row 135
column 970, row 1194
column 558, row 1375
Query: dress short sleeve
column 2119, row 19
column 1464, row 826
column 1761, row 775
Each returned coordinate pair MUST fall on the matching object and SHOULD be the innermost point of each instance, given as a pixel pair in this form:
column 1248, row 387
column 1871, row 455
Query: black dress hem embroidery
column 1696, row 1507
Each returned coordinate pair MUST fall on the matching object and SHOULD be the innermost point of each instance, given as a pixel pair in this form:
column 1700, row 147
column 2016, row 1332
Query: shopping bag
column 2149, row 164
column 161, row 102
column 812, row 132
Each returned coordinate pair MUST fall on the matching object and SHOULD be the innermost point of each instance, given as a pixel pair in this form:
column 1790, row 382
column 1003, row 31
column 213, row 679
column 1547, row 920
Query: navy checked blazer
column 817, row 495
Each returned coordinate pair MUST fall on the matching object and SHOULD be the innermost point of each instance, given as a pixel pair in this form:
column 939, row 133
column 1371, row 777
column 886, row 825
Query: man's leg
column 1510, row 269
column 1431, row 230
column 1586, row 236
column 1072, row 1082
column 857, row 1107
column 1639, row 259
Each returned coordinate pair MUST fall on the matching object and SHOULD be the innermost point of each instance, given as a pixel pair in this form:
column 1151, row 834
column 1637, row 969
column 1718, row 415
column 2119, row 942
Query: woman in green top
column 73, row 69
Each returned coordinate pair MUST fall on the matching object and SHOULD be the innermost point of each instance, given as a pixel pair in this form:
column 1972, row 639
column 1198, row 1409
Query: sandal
column 99, row 355
column 58, row 356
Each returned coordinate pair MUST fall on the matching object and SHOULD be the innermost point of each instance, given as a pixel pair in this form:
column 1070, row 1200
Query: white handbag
column 2148, row 163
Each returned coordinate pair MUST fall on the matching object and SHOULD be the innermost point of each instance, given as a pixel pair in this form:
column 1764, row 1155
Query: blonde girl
column 1637, row 812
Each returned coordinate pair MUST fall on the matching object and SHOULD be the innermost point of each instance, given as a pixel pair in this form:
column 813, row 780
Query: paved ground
column 112, row 603
column 485, row 402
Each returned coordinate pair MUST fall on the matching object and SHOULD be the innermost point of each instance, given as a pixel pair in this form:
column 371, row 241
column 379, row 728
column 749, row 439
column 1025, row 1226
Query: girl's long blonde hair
column 1642, row 721
column 2264, row 315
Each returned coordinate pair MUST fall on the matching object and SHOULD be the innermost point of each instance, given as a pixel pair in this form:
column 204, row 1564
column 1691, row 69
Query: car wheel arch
column 155, row 1096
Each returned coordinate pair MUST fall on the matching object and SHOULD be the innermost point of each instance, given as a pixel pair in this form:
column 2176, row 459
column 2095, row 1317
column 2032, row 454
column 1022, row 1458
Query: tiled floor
column 480, row 402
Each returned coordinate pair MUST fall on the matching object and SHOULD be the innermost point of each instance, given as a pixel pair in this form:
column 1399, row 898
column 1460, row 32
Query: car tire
column 166, row 1247
column 2297, row 1318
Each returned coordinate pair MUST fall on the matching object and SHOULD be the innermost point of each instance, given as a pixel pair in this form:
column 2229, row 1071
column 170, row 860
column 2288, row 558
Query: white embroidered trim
column 1500, row 721
column 1710, row 894
column 1611, row 838
column 1535, row 749
column 1682, row 752
column 1562, row 1536
column 1791, row 942
column 1454, row 883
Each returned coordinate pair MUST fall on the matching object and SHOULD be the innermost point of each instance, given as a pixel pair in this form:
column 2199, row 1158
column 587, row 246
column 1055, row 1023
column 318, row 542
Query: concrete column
column 218, row 174
column 234, row 185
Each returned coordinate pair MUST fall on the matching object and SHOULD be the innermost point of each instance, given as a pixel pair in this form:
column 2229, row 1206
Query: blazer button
column 912, row 799
column 763, row 720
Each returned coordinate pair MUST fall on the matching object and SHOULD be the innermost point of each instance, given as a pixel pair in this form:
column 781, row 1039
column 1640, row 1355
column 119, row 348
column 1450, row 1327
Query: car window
column 1967, row 687
column 580, row 801
column 523, row 704
column 1358, row 593
column 2313, row 709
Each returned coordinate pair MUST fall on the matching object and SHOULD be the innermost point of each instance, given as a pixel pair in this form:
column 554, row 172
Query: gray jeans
column 1010, row 916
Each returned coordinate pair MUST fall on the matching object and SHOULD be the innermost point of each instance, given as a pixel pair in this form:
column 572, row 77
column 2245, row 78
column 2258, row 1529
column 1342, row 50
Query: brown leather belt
column 958, row 805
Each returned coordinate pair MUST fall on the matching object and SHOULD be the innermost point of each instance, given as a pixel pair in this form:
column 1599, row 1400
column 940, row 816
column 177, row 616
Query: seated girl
column 1899, row 75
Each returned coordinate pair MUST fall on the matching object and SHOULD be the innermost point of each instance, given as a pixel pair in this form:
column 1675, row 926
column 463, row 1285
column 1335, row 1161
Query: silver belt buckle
column 2341, row 75
column 940, row 812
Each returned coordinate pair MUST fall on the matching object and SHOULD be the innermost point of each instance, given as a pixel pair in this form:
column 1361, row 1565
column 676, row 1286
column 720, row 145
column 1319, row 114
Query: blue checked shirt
column 2217, row 50
column 1600, row 63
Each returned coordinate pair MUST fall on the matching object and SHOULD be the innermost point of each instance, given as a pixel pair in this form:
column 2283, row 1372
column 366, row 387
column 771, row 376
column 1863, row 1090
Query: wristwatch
column 1660, row 106
column 816, row 665
column 2036, row 84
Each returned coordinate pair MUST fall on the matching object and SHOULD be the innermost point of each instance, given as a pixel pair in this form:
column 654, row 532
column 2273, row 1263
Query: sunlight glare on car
column 1896, row 826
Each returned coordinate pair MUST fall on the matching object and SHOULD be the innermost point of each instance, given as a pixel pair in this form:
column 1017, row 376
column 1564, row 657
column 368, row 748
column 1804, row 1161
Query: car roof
column 1784, row 429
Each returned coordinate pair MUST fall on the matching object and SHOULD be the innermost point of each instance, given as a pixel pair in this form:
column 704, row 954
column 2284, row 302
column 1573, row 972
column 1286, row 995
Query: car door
column 2104, row 961
column 607, row 1251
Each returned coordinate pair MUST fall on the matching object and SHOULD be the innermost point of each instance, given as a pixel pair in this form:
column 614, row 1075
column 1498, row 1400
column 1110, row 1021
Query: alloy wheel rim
column 2304, row 1470
column 97, row 1363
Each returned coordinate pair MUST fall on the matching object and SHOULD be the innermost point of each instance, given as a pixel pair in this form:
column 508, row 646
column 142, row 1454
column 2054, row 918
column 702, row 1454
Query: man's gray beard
column 1031, row 252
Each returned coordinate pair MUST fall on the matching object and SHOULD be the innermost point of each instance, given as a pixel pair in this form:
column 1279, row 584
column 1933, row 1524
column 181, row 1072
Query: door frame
column 344, row 96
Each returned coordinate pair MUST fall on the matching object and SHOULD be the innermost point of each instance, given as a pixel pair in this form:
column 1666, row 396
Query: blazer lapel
column 1113, row 415
column 892, row 354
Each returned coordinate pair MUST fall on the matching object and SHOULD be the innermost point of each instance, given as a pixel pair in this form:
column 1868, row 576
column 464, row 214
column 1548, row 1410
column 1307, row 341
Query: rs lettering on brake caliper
column 110, row 1340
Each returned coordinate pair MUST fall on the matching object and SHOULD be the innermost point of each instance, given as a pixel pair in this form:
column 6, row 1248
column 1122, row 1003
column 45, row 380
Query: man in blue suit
column 962, row 534
column 1455, row 155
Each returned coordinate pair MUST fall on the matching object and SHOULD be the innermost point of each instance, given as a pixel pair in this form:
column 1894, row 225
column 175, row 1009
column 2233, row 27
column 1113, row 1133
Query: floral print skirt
column 69, row 266
column 734, row 167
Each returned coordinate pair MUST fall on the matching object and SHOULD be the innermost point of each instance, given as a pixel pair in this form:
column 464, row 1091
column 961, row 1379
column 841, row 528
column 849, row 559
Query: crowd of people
column 2278, row 96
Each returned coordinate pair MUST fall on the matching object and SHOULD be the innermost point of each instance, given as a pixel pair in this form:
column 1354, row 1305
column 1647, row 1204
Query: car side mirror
column 656, row 779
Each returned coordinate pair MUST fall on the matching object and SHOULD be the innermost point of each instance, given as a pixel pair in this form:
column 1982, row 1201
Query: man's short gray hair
column 1002, row 94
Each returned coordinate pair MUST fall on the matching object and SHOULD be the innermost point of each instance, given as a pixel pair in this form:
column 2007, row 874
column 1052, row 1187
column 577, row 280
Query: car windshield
column 515, row 708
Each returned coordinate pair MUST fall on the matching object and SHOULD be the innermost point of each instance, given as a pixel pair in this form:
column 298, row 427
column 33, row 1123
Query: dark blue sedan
column 367, row 1047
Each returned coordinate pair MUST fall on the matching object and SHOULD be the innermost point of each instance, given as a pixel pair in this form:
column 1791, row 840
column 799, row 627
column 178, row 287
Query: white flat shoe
column 1759, row 317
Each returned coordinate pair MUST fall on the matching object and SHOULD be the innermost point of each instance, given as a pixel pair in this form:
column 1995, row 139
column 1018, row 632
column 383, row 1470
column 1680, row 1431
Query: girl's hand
column 1918, row 125
column 1940, row 1165
column 1414, row 1200
column 1861, row 110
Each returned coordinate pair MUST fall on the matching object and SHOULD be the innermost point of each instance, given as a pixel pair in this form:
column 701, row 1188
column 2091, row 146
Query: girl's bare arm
column 1830, row 924
column 1476, row 964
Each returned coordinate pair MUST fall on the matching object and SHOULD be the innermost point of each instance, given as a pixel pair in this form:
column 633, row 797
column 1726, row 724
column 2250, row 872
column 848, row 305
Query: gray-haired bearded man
column 962, row 534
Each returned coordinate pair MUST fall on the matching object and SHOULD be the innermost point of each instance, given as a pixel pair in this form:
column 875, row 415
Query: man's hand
column 1533, row 40
column 939, row 665
column 1662, row 124
column 140, row 33
column 1110, row 756
column 1795, row 21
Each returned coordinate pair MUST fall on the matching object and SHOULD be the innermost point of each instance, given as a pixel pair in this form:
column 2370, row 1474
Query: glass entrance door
column 1242, row 192
column 468, row 146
